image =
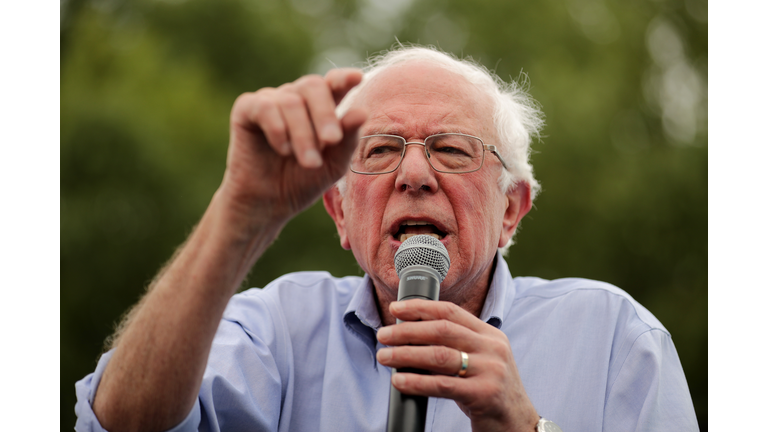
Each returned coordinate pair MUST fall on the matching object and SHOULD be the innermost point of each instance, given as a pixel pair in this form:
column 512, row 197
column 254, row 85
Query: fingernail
column 331, row 133
column 286, row 148
column 398, row 380
column 312, row 158
column 396, row 306
column 384, row 332
column 384, row 355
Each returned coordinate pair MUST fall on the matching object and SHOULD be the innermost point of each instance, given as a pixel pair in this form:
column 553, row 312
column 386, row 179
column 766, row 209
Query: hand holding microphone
column 482, row 378
column 421, row 262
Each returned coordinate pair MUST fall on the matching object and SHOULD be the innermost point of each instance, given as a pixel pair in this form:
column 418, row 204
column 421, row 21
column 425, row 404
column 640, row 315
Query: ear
column 332, row 200
column 518, row 205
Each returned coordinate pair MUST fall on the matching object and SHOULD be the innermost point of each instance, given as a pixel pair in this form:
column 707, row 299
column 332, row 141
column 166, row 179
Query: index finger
column 426, row 310
column 342, row 80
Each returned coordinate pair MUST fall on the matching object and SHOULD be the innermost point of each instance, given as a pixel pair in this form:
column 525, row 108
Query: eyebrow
column 398, row 132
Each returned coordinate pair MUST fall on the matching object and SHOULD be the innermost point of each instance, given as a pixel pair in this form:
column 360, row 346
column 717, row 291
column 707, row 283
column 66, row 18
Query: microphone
column 421, row 262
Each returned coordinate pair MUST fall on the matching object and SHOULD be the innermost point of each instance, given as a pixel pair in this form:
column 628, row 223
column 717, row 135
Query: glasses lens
column 377, row 154
column 455, row 153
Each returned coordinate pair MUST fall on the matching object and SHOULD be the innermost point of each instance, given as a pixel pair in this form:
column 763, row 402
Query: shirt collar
column 501, row 292
column 362, row 312
column 363, row 305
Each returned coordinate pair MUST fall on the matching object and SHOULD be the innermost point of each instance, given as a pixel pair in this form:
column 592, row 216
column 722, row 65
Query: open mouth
column 411, row 228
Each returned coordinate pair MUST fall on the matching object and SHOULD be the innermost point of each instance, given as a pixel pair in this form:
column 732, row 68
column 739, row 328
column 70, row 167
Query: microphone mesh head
column 423, row 250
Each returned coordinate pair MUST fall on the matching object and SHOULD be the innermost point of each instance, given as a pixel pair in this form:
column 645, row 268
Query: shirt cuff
column 86, row 391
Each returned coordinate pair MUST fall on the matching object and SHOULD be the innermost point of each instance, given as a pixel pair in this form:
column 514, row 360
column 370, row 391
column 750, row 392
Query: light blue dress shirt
column 300, row 355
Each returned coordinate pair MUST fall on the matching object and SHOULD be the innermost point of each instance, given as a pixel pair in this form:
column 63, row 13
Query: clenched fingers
column 495, row 399
column 437, row 359
column 442, row 386
column 316, row 95
column 424, row 310
column 298, row 118
column 301, row 132
column 259, row 111
column 441, row 332
column 491, row 392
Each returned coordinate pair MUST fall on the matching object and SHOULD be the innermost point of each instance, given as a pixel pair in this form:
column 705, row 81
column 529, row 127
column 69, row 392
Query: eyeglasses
column 451, row 153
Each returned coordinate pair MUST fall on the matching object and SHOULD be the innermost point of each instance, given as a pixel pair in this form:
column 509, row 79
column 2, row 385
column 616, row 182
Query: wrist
column 243, row 217
column 229, row 239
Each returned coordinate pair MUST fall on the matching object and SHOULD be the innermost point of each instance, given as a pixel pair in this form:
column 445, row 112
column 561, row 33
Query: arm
column 650, row 392
column 286, row 147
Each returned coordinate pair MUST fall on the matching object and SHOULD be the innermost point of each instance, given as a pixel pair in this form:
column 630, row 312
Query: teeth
column 404, row 237
column 415, row 223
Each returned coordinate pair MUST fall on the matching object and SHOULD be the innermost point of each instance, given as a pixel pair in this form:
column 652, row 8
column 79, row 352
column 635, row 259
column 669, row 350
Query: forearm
column 155, row 373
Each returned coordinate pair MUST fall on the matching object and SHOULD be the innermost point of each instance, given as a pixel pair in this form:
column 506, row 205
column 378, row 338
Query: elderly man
column 426, row 144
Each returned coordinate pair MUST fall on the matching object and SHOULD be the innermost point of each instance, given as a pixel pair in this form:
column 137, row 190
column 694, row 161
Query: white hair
column 516, row 115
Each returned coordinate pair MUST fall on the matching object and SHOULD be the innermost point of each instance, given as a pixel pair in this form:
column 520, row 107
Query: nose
column 415, row 174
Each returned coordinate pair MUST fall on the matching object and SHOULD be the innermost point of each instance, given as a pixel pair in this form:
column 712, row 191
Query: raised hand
column 286, row 144
column 286, row 147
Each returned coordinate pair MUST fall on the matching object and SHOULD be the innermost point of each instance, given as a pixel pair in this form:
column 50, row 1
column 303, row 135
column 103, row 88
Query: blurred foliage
column 147, row 85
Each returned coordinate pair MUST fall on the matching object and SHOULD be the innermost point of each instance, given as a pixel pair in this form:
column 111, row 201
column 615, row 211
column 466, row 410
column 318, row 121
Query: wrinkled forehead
column 427, row 84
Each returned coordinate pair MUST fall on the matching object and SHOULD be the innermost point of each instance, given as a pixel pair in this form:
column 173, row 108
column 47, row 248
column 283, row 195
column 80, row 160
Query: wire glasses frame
column 431, row 138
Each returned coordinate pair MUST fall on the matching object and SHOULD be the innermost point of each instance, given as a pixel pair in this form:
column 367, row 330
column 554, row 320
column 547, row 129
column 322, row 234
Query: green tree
column 147, row 85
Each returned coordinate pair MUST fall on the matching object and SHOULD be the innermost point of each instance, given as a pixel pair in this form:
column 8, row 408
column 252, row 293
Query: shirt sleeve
column 86, row 390
column 650, row 392
column 243, row 386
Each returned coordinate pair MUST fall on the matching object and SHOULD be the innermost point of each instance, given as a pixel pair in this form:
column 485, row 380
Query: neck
column 470, row 297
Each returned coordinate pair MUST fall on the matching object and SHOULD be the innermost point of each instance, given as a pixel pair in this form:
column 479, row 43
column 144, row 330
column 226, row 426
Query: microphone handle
column 408, row 413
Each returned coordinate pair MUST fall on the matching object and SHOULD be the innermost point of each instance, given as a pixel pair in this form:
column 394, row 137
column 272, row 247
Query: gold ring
column 464, row 364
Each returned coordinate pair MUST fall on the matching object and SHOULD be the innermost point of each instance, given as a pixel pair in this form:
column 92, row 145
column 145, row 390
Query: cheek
column 365, row 206
column 479, row 209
